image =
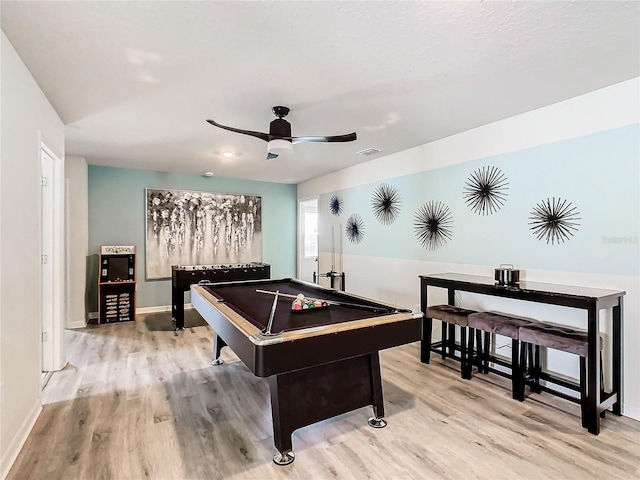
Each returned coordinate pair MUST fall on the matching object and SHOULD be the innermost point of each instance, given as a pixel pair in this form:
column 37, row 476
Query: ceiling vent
column 369, row 151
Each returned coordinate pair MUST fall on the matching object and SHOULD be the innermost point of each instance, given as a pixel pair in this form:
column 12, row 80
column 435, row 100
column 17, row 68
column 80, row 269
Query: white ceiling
column 135, row 81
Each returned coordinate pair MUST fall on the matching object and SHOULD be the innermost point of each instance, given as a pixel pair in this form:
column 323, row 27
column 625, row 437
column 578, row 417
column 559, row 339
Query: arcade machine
column 117, row 284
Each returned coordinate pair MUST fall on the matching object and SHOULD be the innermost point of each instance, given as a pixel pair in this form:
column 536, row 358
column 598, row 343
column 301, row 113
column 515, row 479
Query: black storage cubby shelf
column 117, row 302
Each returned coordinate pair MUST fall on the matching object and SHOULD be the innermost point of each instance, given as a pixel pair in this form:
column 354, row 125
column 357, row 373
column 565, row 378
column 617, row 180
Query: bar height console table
column 592, row 300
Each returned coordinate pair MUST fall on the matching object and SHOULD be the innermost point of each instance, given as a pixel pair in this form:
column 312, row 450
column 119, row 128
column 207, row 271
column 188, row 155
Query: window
column 310, row 235
column 309, row 216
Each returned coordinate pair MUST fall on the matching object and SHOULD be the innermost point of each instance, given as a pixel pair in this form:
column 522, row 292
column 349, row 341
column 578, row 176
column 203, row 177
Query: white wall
column 77, row 234
column 26, row 116
column 605, row 109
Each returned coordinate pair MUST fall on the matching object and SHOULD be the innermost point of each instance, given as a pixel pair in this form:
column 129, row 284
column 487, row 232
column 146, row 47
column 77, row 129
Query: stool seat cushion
column 565, row 339
column 450, row 314
column 498, row 324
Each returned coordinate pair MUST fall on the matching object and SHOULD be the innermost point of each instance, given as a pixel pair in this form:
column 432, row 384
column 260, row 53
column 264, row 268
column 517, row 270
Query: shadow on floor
column 161, row 321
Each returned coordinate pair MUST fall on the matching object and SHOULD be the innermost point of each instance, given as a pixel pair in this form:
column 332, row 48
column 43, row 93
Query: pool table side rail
column 285, row 353
column 340, row 295
column 255, row 334
column 350, row 297
column 243, row 325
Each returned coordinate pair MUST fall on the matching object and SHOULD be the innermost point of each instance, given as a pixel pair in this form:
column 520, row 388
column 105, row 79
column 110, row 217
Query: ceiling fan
column 279, row 137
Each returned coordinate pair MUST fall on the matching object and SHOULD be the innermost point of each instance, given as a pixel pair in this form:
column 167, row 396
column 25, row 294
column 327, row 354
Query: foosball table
column 183, row 276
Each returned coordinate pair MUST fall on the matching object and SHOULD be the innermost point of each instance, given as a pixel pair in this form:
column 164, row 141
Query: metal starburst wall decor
column 554, row 220
column 335, row 205
column 485, row 190
column 385, row 203
column 432, row 224
column 354, row 228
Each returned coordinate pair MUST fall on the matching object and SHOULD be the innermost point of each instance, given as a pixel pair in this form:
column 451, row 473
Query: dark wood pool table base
column 304, row 397
column 339, row 387
column 315, row 373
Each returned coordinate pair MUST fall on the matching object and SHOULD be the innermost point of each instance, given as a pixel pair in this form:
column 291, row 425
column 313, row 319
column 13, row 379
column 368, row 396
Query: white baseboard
column 159, row 308
column 11, row 453
column 156, row 309
column 631, row 412
column 143, row 310
column 73, row 325
column 46, row 376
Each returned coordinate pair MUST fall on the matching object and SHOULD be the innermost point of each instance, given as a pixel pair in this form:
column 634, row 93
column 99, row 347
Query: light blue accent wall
column 599, row 174
column 117, row 217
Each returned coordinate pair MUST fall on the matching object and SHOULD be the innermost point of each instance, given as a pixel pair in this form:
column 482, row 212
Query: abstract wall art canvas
column 200, row 228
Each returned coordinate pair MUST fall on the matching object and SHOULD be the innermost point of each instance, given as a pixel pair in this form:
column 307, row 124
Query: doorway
column 52, row 284
column 308, row 247
column 46, row 256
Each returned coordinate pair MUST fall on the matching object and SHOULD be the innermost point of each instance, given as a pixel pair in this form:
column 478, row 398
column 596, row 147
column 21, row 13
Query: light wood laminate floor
column 137, row 401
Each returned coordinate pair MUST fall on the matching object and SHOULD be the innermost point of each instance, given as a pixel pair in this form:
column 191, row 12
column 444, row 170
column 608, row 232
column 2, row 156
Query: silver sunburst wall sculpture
column 432, row 224
column 385, row 203
column 354, row 228
column 554, row 220
column 335, row 205
column 485, row 190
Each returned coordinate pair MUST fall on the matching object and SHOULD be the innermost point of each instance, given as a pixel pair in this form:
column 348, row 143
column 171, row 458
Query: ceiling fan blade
column 349, row 137
column 271, row 156
column 260, row 135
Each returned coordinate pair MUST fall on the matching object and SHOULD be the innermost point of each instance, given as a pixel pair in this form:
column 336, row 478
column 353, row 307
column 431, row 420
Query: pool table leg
column 284, row 458
column 218, row 343
column 282, row 428
column 377, row 421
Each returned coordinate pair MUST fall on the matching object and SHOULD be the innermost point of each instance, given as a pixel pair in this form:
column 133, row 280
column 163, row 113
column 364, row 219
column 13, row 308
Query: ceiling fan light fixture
column 279, row 146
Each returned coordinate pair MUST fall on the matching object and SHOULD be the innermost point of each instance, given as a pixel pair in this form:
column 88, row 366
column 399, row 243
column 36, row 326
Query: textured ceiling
column 135, row 81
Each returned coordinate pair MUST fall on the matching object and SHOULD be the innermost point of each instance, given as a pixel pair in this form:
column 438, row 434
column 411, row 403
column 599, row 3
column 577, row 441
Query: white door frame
column 301, row 259
column 53, row 357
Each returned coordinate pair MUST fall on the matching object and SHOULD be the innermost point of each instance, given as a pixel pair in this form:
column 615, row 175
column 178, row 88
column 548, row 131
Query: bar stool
column 562, row 338
column 451, row 317
column 488, row 323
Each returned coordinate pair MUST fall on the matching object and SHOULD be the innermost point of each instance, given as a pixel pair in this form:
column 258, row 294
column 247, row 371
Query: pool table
column 320, row 362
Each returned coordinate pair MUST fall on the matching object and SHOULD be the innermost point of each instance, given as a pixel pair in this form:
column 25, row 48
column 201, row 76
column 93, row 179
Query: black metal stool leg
column 538, row 367
column 485, row 352
column 479, row 350
column 471, row 351
column 583, row 391
column 517, row 375
column 465, row 367
column 535, row 367
column 524, row 364
column 602, row 413
column 452, row 340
